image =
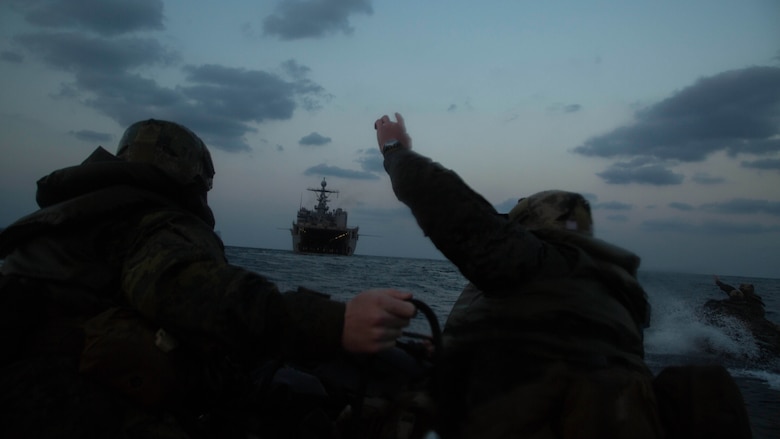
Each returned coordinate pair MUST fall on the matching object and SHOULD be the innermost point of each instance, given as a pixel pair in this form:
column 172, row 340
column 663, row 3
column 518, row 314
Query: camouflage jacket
column 113, row 233
column 548, row 293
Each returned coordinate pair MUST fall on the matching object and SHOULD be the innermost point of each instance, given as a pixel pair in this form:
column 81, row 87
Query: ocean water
column 677, row 335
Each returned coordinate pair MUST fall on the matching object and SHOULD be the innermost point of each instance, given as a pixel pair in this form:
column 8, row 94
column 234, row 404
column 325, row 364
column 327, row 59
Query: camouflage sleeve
column 488, row 249
column 176, row 274
column 726, row 288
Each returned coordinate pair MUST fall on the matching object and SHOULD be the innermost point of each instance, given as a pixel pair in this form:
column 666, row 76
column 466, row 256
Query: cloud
column 92, row 136
column 736, row 111
column 299, row 19
column 565, row 108
column 304, row 86
column 8, row 56
column 591, row 197
column 82, row 54
column 333, row 171
column 110, row 68
column 219, row 103
column 744, row 206
column 681, row 206
column 612, row 205
column 248, row 95
column 768, row 164
column 641, row 171
column 314, row 139
column 105, row 17
column 704, row 178
column 295, row 70
column 706, row 228
column 371, row 161
column 617, row 218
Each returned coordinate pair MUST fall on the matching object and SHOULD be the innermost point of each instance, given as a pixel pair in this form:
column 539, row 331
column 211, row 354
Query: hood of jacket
column 99, row 185
column 615, row 266
column 102, row 170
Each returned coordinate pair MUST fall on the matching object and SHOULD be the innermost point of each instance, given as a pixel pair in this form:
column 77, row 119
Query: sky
column 664, row 114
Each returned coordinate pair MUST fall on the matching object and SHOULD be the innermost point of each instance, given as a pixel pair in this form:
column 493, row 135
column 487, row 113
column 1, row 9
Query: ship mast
column 322, row 197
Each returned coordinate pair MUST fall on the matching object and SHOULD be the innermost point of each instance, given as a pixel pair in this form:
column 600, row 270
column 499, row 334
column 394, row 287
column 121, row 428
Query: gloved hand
column 387, row 131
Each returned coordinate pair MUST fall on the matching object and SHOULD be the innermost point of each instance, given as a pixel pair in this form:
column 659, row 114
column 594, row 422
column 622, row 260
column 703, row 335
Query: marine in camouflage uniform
column 129, row 240
column 546, row 340
column 745, row 292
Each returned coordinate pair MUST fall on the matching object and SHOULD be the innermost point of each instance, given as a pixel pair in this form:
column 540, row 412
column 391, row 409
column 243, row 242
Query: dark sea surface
column 678, row 334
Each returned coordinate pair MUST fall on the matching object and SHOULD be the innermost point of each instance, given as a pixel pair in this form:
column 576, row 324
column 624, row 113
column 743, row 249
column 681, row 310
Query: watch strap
column 391, row 145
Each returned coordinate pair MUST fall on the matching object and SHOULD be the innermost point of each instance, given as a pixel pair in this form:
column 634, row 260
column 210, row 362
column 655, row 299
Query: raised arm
column 489, row 250
column 726, row 288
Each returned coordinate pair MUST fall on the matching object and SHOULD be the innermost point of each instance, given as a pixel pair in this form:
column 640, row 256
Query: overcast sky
column 665, row 114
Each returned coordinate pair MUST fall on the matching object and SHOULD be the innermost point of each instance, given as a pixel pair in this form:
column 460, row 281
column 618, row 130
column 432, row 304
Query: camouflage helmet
column 554, row 209
column 171, row 147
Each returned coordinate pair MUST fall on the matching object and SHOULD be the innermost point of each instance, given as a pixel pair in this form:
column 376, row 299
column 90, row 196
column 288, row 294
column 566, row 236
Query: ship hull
column 324, row 241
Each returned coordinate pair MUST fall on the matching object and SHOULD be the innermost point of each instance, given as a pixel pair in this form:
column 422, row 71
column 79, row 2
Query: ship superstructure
column 323, row 230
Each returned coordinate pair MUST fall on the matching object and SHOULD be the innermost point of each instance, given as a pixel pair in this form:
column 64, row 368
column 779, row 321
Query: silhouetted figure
column 746, row 306
column 745, row 293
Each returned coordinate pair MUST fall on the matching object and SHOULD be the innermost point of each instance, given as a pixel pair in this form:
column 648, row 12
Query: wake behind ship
column 322, row 230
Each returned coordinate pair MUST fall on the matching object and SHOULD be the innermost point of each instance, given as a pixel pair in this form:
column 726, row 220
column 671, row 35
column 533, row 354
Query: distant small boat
column 322, row 230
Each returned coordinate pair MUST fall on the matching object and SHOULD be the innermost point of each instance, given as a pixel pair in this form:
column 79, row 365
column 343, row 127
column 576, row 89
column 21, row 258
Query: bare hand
column 374, row 320
column 387, row 130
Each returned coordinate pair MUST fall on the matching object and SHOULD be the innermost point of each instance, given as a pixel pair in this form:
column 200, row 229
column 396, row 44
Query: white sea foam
column 771, row 379
column 679, row 327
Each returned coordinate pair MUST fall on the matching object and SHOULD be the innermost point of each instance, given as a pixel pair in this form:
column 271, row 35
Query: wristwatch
column 391, row 145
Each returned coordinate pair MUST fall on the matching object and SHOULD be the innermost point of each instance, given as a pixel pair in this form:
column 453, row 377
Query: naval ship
column 322, row 230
